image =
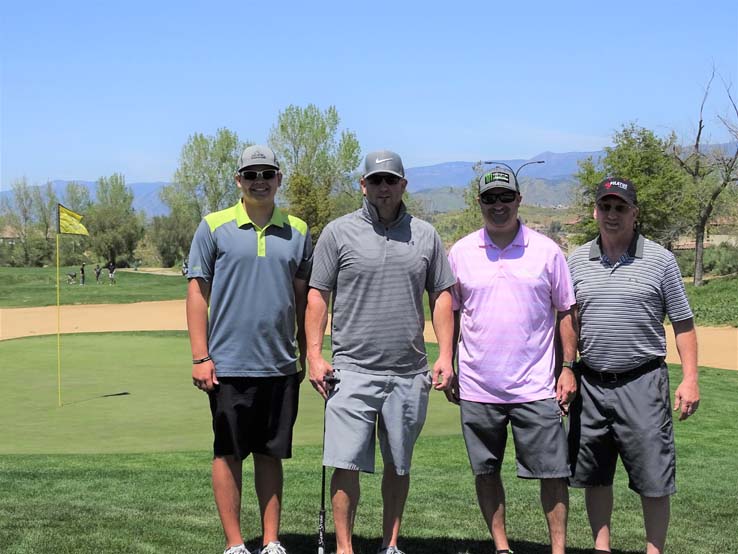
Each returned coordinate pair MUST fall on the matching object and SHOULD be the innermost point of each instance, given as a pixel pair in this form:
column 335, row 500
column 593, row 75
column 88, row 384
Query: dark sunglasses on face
column 504, row 197
column 254, row 175
column 377, row 178
column 619, row 208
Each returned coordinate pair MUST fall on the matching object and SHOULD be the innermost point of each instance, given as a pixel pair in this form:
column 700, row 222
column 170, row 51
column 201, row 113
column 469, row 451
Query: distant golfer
column 82, row 274
column 625, row 285
column 377, row 262
column 246, row 297
column 111, row 272
column 512, row 302
column 98, row 271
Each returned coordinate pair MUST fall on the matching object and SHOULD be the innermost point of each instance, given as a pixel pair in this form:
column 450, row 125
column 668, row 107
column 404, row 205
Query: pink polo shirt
column 508, row 301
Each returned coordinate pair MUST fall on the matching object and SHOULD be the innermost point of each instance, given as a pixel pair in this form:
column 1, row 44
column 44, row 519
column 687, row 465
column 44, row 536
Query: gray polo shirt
column 622, row 305
column 378, row 275
column 251, row 324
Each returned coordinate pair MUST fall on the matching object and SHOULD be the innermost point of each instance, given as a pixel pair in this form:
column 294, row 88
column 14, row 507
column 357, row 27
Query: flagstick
column 58, row 327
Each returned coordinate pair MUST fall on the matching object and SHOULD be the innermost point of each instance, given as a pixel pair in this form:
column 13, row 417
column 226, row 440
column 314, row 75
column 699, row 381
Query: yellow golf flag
column 69, row 222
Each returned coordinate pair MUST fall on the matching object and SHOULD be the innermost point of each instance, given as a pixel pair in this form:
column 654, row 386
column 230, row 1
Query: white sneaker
column 390, row 550
column 272, row 548
column 238, row 549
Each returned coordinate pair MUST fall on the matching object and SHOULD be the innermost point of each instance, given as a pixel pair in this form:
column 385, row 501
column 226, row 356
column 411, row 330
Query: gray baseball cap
column 498, row 178
column 383, row 161
column 257, row 155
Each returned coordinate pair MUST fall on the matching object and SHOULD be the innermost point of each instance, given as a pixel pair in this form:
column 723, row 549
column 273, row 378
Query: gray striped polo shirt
column 378, row 275
column 622, row 305
column 251, row 270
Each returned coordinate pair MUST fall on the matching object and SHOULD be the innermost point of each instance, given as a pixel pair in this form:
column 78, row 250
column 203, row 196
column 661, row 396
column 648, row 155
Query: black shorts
column 254, row 414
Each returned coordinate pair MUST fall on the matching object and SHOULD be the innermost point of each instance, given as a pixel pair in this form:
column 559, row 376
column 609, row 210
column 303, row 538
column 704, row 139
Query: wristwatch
column 570, row 365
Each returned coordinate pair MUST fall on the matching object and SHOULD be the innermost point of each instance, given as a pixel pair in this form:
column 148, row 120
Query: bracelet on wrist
column 201, row 360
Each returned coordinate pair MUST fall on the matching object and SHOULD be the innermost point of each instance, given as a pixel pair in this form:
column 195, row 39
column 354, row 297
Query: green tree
column 114, row 226
column 204, row 180
column 20, row 217
column 318, row 164
column 713, row 174
column 76, row 197
column 665, row 196
column 45, row 209
column 171, row 236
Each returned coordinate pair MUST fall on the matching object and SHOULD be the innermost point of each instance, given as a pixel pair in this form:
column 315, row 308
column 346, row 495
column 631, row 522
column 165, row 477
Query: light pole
column 515, row 173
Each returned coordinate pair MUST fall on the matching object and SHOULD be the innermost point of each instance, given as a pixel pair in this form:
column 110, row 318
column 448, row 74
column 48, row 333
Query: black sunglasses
column 620, row 208
column 504, row 197
column 254, row 175
column 377, row 178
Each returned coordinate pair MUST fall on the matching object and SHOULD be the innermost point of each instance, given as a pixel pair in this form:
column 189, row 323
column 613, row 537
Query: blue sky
column 92, row 88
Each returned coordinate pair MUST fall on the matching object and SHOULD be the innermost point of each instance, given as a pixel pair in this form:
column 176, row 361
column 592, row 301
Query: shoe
column 272, row 548
column 238, row 549
column 390, row 550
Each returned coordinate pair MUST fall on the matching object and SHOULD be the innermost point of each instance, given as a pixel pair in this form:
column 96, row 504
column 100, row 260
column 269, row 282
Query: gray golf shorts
column 538, row 433
column 630, row 418
column 360, row 403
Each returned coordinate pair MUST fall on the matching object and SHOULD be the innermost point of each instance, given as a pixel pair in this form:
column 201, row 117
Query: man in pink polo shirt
column 512, row 301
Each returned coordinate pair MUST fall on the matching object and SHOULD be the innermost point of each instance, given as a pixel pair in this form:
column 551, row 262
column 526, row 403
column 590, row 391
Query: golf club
column 329, row 380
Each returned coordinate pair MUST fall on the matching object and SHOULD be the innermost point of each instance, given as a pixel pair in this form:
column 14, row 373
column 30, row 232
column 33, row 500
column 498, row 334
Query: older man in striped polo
column 625, row 284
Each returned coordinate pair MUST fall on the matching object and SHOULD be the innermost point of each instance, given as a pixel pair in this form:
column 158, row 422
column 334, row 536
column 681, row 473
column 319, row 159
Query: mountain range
column 439, row 186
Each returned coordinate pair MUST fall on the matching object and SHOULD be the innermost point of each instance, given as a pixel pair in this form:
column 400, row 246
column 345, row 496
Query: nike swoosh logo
column 378, row 161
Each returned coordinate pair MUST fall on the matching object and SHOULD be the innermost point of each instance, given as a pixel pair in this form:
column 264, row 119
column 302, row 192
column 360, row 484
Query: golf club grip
column 321, row 532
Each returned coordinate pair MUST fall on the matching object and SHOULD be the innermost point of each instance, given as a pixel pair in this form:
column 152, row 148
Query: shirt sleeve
column 306, row 264
column 202, row 253
column 439, row 276
column 675, row 296
column 325, row 261
column 562, row 291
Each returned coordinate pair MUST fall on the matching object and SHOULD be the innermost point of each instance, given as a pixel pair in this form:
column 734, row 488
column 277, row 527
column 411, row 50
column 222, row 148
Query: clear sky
column 92, row 88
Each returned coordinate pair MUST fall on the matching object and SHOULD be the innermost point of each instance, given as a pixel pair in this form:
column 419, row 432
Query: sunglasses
column 504, row 197
column 254, row 175
column 619, row 208
column 377, row 178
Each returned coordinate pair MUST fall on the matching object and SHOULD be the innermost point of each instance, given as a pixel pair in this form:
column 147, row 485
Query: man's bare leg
column 491, row 498
column 656, row 514
column 345, row 492
column 599, row 510
column 227, row 492
column 394, row 494
column 555, row 502
column 268, row 484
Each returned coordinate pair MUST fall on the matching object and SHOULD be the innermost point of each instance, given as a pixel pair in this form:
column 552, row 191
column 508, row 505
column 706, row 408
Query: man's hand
column 319, row 369
column 566, row 389
column 687, row 398
column 203, row 376
column 452, row 393
column 443, row 374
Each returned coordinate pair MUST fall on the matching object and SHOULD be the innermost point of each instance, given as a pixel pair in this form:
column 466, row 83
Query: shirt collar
column 635, row 249
column 521, row 238
column 370, row 213
column 242, row 217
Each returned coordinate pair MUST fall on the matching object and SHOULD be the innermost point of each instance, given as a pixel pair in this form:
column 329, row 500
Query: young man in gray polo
column 625, row 285
column 246, row 298
column 377, row 262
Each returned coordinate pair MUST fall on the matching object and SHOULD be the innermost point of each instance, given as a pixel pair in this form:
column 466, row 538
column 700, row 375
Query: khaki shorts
column 394, row 405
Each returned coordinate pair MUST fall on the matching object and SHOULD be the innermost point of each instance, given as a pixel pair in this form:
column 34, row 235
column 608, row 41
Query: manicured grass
column 30, row 286
column 716, row 302
column 131, row 473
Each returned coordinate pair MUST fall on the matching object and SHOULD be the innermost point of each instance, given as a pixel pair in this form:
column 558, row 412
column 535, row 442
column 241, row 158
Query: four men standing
column 506, row 293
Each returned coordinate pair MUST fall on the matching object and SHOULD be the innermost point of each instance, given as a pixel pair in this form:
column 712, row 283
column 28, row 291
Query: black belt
column 616, row 377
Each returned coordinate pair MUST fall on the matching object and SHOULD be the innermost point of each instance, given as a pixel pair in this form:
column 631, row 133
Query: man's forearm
column 197, row 318
column 685, row 337
column 443, row 323
column 316, row 320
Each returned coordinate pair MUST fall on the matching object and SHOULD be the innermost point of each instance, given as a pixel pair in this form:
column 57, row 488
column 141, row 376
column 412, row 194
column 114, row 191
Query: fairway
column 130, row 473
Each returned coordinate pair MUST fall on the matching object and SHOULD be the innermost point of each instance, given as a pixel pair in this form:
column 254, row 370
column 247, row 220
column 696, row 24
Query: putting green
column 161, row 411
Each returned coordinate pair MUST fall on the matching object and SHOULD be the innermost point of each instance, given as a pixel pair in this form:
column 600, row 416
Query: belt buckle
column 609, row 377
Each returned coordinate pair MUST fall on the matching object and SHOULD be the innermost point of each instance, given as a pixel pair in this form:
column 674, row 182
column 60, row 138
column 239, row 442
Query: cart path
column 718, row 346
